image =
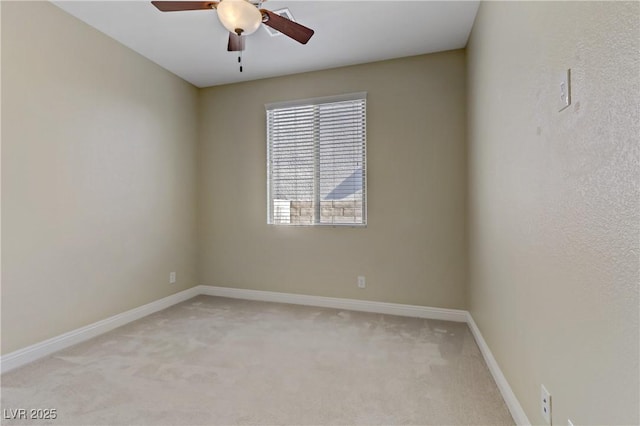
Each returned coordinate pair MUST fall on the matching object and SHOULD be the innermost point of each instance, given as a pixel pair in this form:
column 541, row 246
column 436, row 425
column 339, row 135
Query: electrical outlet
column 545, row 404
column 362, row 283
column 172, row 278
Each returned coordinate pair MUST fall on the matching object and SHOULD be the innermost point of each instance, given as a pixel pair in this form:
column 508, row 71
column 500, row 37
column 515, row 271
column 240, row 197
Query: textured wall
column 98, row 176
column 554, row 204
column 413, row 249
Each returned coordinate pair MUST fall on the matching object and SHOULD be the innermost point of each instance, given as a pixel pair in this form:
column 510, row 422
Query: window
column 316, row 161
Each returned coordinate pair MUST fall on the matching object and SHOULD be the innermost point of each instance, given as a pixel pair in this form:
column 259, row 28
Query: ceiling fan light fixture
column 239, row 16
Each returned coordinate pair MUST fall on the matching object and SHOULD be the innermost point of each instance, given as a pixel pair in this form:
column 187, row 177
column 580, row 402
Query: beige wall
column 554, row 206
column 413, row 250
column 98, row 176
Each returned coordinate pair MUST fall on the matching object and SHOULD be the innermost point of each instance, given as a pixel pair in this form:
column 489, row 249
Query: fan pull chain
column 240, row 59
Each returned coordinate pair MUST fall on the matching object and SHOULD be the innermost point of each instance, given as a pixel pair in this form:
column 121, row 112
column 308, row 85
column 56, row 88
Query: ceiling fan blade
column 298, row 32
column 236, row 42
column 177, row 6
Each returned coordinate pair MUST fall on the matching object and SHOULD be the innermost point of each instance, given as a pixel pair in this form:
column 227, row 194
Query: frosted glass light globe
column 239, row 16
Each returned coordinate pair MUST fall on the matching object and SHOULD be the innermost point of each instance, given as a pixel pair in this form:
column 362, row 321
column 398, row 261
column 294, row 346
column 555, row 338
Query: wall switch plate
column 172, row 278
column 569, row 422
column 362, row 283
column 545, row 404
column 564, row 98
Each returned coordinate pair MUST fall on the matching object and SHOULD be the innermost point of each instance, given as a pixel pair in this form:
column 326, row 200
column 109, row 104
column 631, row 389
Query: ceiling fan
column 241, row 18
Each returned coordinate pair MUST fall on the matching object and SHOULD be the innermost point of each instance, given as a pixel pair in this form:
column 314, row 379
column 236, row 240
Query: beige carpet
column 213, row 360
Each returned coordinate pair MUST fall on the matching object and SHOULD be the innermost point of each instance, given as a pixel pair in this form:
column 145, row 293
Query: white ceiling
column 193, row 44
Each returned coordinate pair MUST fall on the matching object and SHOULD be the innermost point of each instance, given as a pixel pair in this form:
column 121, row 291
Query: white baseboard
column 509, row 397
column 31, row 353
column 456, row 315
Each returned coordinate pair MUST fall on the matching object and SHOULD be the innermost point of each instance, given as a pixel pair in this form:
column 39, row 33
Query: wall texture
column 98, row 176
column 554, row 203
column 414, row 248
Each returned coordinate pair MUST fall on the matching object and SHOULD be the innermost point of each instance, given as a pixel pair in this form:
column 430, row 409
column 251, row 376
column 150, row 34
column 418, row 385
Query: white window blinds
column 316, row 161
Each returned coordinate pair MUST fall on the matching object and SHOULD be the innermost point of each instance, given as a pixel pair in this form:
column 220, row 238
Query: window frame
column 312, row 102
